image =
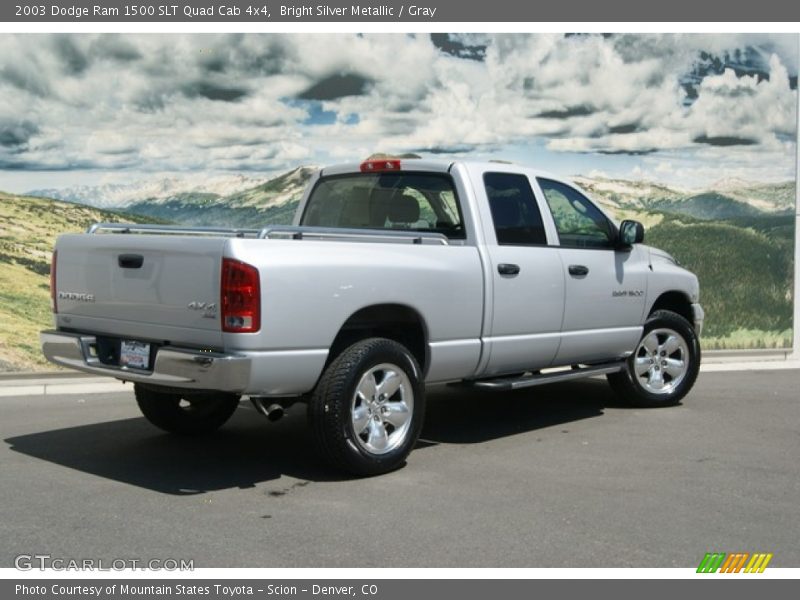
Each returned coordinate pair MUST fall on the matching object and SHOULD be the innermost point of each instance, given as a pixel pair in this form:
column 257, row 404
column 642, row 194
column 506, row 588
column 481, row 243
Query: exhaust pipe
column 273, row 412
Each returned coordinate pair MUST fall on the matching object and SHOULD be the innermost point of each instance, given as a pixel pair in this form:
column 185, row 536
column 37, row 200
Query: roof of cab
column 408, row 164
column 444, row 166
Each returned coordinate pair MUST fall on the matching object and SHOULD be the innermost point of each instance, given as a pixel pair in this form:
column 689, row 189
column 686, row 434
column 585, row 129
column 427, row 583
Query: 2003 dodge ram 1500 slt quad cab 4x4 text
column 395, row 274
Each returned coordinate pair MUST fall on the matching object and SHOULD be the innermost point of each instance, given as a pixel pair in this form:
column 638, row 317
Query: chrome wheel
column 382, row 408
column 367, row 409
column 661, row 361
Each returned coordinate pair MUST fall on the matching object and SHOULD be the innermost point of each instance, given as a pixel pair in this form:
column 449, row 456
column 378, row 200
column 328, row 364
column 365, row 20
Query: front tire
column 664, row 366
column 185, row 414
column 367, row 409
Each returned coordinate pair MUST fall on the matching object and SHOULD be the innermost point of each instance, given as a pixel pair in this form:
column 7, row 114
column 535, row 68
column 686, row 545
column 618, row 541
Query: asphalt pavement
column 556, row 476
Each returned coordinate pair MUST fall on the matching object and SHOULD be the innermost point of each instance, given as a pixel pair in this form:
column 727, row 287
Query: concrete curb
column 765, row 365
column 60, row 386
column 722, row 356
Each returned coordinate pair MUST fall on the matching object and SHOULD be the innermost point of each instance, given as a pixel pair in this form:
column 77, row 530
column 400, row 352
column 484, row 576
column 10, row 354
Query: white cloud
column 230, row 102
column 734, row 106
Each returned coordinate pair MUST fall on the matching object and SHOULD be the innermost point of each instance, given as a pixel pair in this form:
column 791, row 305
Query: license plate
column 134, row 354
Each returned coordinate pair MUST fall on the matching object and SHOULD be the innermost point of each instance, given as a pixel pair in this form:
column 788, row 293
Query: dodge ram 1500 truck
column 394, row 274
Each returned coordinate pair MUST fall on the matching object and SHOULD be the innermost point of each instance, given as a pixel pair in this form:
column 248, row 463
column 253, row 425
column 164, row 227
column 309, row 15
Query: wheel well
column 677, row 302
column 393, row 321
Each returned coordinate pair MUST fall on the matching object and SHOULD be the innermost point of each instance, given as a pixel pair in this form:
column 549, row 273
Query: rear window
column 424, row 202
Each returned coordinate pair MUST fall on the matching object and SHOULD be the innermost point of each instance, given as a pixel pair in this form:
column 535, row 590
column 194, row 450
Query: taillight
column 240, row 297
column 53, row 293
column 378, row 165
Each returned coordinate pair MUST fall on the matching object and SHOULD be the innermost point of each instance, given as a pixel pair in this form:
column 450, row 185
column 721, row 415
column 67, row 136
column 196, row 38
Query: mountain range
column 722, row 200
column 233, row 202
column 115, row 196
column 239, row 201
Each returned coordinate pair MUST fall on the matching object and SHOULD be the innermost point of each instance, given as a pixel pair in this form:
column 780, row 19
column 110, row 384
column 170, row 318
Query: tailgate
column 153, row 287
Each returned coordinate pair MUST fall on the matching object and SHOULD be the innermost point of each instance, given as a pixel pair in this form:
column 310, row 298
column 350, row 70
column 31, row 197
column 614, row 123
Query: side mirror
column 630, row 233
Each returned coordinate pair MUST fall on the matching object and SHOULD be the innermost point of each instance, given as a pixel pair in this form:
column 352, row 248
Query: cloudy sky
column 682, row 109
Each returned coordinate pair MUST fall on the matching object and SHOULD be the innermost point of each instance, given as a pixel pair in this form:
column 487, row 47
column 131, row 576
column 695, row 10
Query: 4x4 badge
column 210, row 308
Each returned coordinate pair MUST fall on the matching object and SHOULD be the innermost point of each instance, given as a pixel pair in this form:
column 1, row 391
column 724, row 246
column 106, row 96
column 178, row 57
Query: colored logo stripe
column 734, row 563
column 758, row 563
column 711, row 562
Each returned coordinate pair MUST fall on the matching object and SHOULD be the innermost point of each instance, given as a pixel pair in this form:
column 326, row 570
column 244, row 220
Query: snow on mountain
column 729, row 184
column 275, row 192
column 766, row 197
column 624, row 193
column 646, row 195
column 155, row 190
column 270, row 202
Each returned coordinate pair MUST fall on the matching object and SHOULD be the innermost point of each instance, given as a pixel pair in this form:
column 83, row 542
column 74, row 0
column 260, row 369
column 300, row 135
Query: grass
column 745, row 269
column 748, row 339
column 28, row 230
column 24, row 311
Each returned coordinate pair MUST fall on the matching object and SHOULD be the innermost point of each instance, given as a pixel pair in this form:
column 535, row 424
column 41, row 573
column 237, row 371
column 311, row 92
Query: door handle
column 130, row 261
column 508, row 269
column 578, row 270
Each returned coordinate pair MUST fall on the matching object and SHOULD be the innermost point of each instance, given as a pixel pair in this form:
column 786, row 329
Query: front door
column 605, row 288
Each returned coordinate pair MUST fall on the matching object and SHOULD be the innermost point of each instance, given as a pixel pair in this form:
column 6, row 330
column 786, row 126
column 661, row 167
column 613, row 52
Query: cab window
column 424, row 202
column 516, row 216
column 579, row 223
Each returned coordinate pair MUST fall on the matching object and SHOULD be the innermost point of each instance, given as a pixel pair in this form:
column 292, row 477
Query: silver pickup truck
column 395, row 274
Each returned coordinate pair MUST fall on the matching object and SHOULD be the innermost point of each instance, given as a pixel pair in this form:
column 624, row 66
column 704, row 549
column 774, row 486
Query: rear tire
column 185, row 414
column 664, row 366
column 367, row 409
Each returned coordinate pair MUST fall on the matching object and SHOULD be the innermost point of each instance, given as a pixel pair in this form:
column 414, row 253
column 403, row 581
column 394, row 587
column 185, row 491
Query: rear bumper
column 254, row 373
column 699, row 315
column 182, row 368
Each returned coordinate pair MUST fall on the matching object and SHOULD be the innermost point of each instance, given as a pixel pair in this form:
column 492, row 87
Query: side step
column 516, row 383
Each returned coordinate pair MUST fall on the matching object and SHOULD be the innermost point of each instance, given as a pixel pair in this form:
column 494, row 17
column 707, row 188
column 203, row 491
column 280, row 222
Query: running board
column 516, row 383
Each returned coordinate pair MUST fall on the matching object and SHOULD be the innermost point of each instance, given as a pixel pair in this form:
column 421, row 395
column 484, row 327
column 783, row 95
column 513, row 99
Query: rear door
column 527, row 278
column 605, row 287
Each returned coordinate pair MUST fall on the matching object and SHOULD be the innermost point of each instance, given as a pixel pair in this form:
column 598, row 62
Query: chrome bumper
column 699, row 316
column 181, row 368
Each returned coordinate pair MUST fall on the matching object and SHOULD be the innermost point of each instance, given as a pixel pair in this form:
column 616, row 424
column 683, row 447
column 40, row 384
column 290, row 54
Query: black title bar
column 338, row 11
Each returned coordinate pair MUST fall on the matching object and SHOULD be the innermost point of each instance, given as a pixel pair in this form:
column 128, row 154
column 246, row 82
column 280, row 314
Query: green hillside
column 28, row 229
column 745, row 267
column 203, row 214
column 709, row 206
column 216, row 214
column 770, row 197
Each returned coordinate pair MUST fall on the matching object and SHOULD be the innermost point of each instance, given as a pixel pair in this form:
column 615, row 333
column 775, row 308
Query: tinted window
column 407, row 201
column 516, row 217
column 579, row 223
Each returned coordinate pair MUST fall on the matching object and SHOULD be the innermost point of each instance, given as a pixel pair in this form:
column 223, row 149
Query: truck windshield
column 424, row 202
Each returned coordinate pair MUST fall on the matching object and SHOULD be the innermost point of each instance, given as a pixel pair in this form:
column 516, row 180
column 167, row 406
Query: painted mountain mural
column 693, row 134
column 737, row 238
